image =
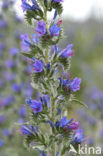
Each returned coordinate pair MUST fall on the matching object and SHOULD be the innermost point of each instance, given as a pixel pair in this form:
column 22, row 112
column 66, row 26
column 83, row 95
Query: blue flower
column 55, row 49
column 3, row 24
column 35, row 39
column 57, row 124
column 64, row 82
column 41, row 28
column 54, row 30
column 26, row 6
column 55, row 14
column 75, row 84
column 9, row 63
column 42, row 153
column 5, row 5
column 68, row 52
column 36, row 106
column 29, row 101
column 9, row 76
column 46, row 100
column 5, row 132
column 22, row 111
column 57, row 153
column 14, row 51
column 69, row 124
column 50, row 123
column 58, row 1
column 64, row 122
column 79, row 137
column 27, row 130
column 37, row 66
column 26, row 43
column 1, row 142
column 16, row 87
column 2, row 119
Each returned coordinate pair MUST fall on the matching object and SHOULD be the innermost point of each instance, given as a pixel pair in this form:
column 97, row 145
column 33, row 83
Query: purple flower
column 50, row 123
column 54, row 30
column 8, row 76
column 69, row 124
column 42, row 153
column 14, row 51
column 18, row 19
column 9, row 63
column 55, row 49
column 57, row 153
column 101, row 133
column 2, row 118
column 22, row 111
column 1, row 142
column 27, row 130
column 64, row 122
column 29, row 101
column 5, row 132
column 75, row 84
column 29, row 91
column 64, row 82
column 5, row 5
column 35, row 39
column 68, row 52
column 46, row 100
column 7, row 100
column 16, row 87
column 26, row 6
column 73, row 126
column 55, row 14
column 38, row 66
column 79, row 137
column 26, row 43
column 36, row 106
column 2, row 47
column 56, row 1
column 41, row 28
column 3, row 24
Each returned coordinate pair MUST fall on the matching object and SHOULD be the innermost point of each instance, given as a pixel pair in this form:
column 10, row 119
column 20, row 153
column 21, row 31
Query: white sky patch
column 75, row 9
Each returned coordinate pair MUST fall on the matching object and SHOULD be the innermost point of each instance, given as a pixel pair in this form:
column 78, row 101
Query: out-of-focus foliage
column 87, row 37
column 14, row 85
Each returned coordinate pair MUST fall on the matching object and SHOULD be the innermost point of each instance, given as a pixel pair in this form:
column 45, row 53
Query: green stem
column 46, row 22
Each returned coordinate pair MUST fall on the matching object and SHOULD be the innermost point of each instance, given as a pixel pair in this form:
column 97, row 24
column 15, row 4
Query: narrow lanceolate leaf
column 27, row 55
column 80, row 103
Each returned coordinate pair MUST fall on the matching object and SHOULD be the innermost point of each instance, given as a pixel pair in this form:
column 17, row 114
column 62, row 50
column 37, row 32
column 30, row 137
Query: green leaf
column 58, row 7
column 27, row 55
column 80, row 102
column 65, row 62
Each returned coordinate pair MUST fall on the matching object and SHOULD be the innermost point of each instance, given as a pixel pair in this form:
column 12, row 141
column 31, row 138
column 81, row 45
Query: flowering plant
column 48, row 129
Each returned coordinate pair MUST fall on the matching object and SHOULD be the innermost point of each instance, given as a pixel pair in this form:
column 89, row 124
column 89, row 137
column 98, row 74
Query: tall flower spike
column 52, row 82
